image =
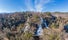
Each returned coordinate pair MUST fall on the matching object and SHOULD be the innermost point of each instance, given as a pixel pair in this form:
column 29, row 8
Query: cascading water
column 44, row 22
column 41, row 19
column 39, row 31
column 66, row 28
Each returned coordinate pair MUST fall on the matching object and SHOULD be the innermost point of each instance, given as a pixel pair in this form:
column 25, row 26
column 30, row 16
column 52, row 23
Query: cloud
column 38, row 4
column 28, row 4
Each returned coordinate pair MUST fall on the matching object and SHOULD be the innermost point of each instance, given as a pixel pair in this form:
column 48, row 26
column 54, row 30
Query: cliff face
column 32, row 25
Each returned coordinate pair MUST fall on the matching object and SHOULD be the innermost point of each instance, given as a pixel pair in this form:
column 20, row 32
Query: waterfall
column 44, row 22
column 66, row 28
column 39, row 31
column 41, row 19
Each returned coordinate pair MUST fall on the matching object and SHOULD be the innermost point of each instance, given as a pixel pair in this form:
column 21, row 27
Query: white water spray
column 39, row 30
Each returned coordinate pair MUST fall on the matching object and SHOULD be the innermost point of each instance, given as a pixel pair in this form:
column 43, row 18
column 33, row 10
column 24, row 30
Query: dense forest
column 34, row 26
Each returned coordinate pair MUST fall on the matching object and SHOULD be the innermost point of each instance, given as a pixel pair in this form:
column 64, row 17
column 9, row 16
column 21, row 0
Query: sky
column 34, row 5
